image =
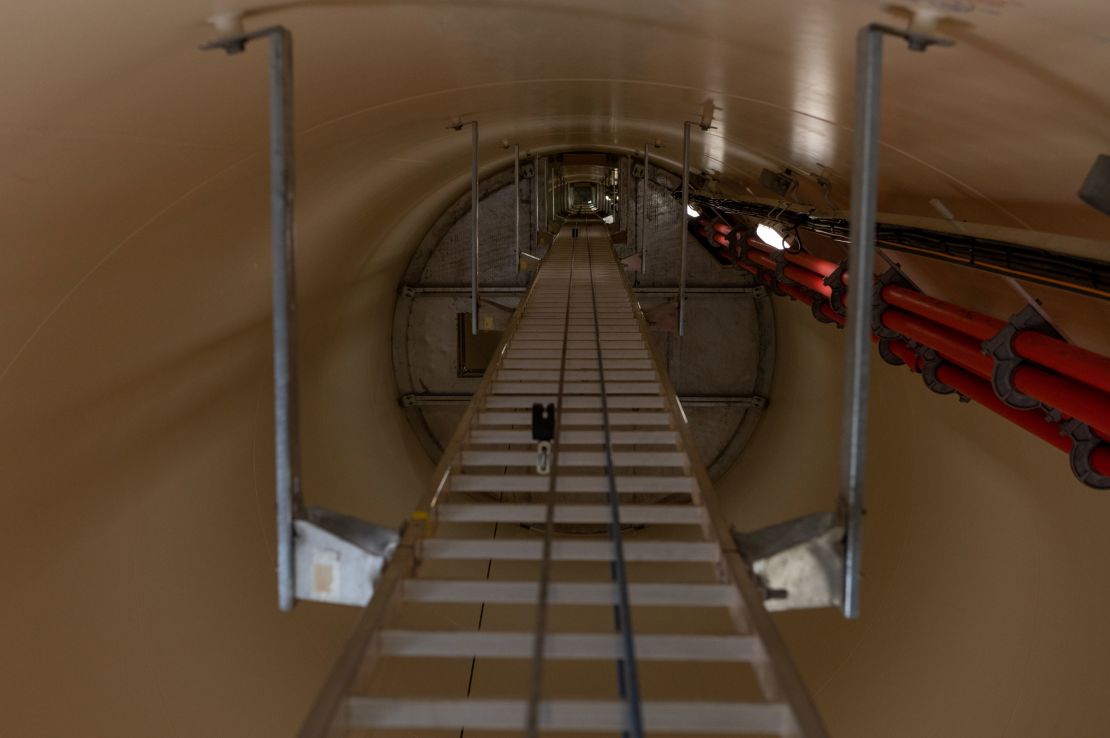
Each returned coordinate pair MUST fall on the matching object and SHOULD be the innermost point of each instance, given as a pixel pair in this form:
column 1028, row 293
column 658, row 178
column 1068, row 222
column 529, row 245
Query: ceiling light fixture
column 692, row 211
column 768, row 235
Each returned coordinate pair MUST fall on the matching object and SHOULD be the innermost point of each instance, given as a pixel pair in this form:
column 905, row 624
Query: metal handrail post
column 287, row 452
column 857, row 354
column 683, row 227
column 643, row 214
column 534, row 241
column 861, row 261
column 473, row 221
column 516, row 200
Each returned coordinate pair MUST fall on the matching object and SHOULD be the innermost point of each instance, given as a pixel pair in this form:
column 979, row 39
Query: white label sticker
column 325, row 573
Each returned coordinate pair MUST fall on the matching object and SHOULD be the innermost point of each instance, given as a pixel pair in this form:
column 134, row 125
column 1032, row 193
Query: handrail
column 288, row 502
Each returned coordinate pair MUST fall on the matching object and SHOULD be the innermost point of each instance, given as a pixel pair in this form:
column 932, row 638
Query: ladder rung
column 576, row 343
column 584, row 484
column 615, row 418
column 505, row 512
column 547, row 374
column 524, row 388
column 586, row 646
column 576, row 402
column 597, row 437
column 564, row 550
column 590, row 716
column 471, row 457
column 570, row 593
column 533, row 375
column 620, row 437
column 605, row 354
column 611, row 388
column 577, row 418
column 611, row 375
column 577, row 364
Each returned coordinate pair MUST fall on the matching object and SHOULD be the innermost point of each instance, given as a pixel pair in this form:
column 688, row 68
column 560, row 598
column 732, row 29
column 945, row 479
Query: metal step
column 579, row 437
column 571, row 716
column 574, row 388
column 583, row 646
column 642, row 459
column 504, row 512
column 578, row 419
column 575, row 375
column 575, row 402
column 569, row 593
column 564, row 550
column 577, row 364
column 583, row 484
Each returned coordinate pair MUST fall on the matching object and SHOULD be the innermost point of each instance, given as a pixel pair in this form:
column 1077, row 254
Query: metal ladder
column 604, row 597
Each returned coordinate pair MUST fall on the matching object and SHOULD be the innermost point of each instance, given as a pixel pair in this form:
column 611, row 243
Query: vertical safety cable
column 627, row 680
column 536, row 693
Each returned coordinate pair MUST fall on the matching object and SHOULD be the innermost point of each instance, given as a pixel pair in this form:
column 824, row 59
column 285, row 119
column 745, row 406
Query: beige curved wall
column 983, row 594
column 134, row 368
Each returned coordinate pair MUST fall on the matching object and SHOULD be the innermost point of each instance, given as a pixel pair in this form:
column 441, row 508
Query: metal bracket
column 527, row 263
column 237, row 43
column 662, row 318
column 1084, row 441
column 633, row 262
column 798, row 564
column 338, row 558
column 1007, row 360
column 917, row 41
column 1096, row 187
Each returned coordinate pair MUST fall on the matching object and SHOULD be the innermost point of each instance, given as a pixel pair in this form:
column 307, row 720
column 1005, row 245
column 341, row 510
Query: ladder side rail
column 440, row 478
column 328, row 718
column 787, row 682
column 325, row 719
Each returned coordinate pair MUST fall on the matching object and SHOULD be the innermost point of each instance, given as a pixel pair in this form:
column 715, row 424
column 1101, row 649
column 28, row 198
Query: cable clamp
column 835, row 281
column 1007, row 360
column 879, row 305
column 930, row 362
column 1084, row 442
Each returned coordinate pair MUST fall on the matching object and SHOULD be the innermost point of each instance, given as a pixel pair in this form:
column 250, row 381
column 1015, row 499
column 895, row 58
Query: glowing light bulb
column 692, row 211
column 770, row 236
